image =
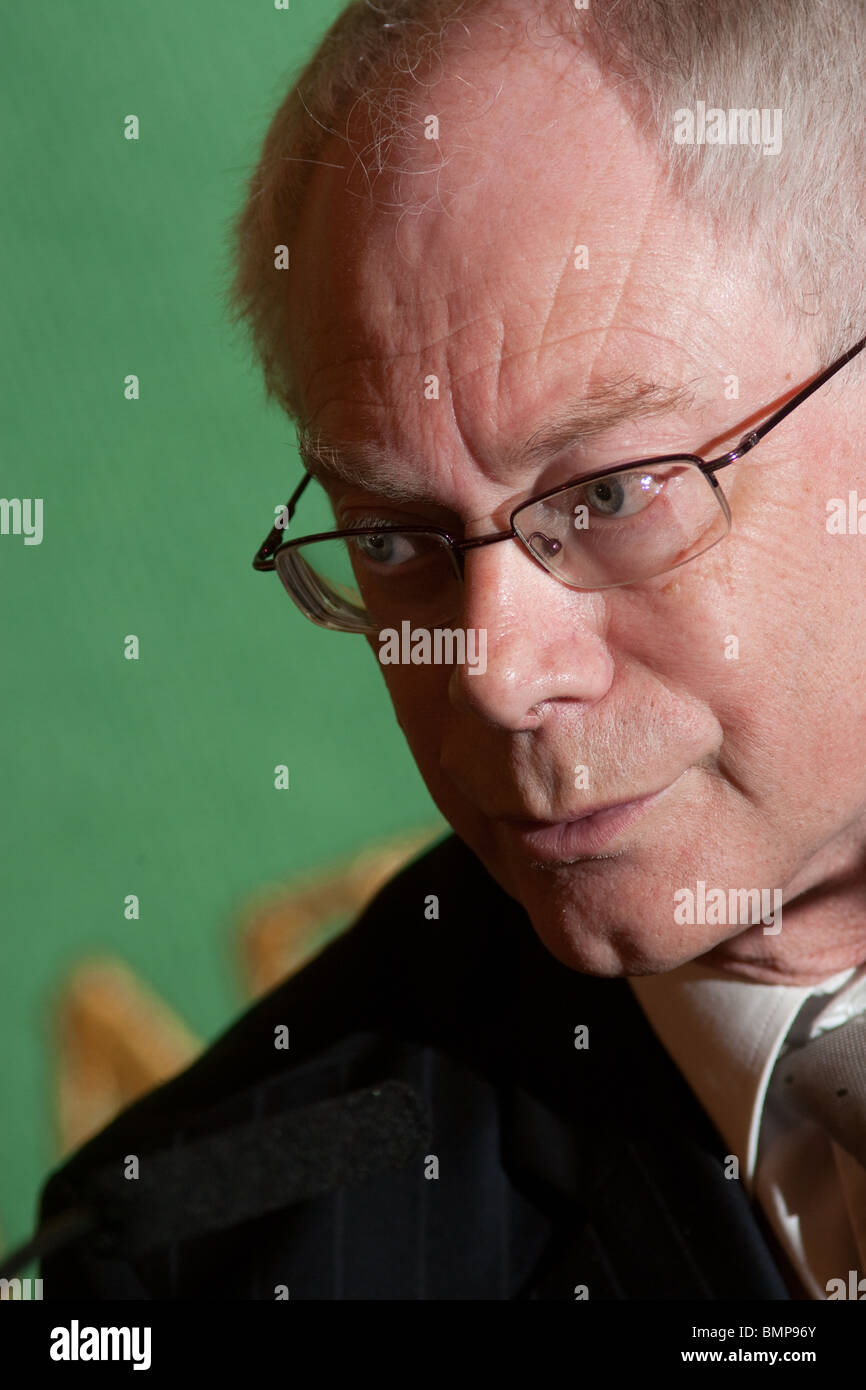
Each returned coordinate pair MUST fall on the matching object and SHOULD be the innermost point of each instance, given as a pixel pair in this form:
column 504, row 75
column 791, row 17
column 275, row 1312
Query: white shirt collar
column 724, row 1036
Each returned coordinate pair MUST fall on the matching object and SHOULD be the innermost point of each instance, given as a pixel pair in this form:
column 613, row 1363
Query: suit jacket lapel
column 630, row 1166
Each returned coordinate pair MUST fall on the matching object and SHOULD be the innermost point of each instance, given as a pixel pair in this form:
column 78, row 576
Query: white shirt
column 726, row 1036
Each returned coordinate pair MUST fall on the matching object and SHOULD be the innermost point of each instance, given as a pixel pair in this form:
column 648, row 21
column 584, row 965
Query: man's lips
column 569, row 817
column 579, row 835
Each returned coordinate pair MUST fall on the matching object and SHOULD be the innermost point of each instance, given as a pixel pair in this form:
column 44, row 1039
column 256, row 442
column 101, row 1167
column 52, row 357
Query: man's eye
column 623, row 495
column 386, row 548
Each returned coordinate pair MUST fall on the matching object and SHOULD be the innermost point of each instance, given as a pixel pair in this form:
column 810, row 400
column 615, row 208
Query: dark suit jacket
column 558, row 1166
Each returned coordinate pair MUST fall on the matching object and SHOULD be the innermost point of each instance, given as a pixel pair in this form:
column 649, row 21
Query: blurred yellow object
column 286, row 927
column 118, row 1039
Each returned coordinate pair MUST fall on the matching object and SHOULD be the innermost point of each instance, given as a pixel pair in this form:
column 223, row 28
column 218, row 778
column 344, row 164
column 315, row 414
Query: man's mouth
column 581, row 835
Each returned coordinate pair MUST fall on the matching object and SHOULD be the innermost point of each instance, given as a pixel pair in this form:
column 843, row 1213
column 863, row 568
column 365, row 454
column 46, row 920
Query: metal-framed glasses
column 629, row 522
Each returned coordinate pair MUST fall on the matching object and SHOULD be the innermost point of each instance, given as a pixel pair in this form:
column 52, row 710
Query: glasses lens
column 373, row 580
column 627, row 526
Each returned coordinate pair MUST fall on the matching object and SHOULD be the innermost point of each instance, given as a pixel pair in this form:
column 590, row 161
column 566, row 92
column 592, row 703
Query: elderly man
column 566, row 303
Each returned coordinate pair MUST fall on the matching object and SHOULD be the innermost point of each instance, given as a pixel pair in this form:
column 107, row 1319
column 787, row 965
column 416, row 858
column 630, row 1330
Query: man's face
column 759, row 755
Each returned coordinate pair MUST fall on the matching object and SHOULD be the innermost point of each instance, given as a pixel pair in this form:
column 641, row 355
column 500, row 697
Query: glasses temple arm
column 264, row 554
column 751, row 439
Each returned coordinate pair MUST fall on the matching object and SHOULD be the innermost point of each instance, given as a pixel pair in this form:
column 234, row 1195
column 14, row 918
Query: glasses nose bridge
column 459, row 548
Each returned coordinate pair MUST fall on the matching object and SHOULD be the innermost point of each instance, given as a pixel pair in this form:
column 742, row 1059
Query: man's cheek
column 419, row 696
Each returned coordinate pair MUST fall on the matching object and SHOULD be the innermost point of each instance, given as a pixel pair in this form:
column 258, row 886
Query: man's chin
column 612, row 950
column 603, row 915
column 612, row 947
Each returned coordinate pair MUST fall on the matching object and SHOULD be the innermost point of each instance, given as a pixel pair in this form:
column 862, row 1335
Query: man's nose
column 543, row 641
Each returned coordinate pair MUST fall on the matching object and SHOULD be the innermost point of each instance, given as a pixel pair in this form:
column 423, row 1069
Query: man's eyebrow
column 595, row 412
column 602, row 408
column 353, row 464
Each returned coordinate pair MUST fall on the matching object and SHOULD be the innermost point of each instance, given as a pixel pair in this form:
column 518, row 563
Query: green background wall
column 152, row 777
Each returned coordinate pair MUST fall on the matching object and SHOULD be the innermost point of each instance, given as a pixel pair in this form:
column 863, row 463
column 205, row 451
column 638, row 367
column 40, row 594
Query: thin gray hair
column 800, row 211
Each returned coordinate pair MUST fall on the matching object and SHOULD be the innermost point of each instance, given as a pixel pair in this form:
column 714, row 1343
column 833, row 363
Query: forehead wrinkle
column 595, row 412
